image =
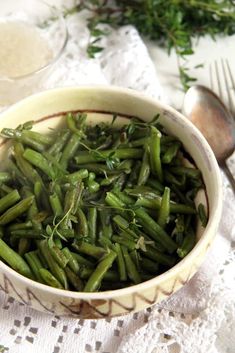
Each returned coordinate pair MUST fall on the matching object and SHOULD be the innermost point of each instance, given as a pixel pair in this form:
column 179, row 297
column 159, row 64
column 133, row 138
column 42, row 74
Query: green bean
column 155, row 184
column 190, row 172
column 75, row 123
column 25, row 167
column 155, row 151
column 156, row 204
column 69, row 150
column 49, row 279
column 7, row 189
column 133, row 177
column 110, row 275
column 14, row 260
column 55, row 269
column 72, row 261
column 59, row 142
column 83, row 225
column 130, row 267
column 95, row 279
column 73, row 198
column 57, row 254
column 114, row 201
column 187, row 245
column 23, row 246
column 91, row 250
column 135, row 258
column 145, row 168
column 202, row 215
column 120, row 262
column 149, row 265
column 130, row 244
column 27, row 233
column 4, row 177
column 122, row 153
column 37, row 159
column 82, row 261
column 74, row 279
column 22, row 137
column 92, row 222
column 139, row 142
column 164, row 211
column 56, row 205
column 92, row 185
column 35, row 264
column 73, row 178
column 158, row 256
column 155, row 231
column 170, row 153
column 127, row 200
column 16, row 210
column 9, row 200
column 18, row 226
column 1, row 232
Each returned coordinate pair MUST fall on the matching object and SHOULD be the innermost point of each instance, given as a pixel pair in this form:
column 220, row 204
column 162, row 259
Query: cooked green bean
column 187, row 245
column 49, row 279
column 95, row 279
column 16, row 210
column 83, row 225
column 69, row 150
column 145, row 168
column 5, row 177
column 130, row 267
column 55, row 269
column 155, row 151
column 92, row 222
column 9, row 200
column 59, row 142
column 111, row 276
column 37, row 159
column 35, row 264
column 164, row 211
column 90, row 249
column 202, row 214
column 14, row 260
column 120, row 262
column 23, row 246
column 72, row 261
column 57, row 254
column 74, row 279
column 122, row 153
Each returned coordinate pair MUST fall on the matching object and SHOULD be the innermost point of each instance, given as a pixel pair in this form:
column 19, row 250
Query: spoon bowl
column 208, row 113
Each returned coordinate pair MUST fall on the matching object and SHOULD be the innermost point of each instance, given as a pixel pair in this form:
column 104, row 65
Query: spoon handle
column 229, row 175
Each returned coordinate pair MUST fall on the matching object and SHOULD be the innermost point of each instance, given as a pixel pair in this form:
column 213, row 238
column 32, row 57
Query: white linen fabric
column 199, row 318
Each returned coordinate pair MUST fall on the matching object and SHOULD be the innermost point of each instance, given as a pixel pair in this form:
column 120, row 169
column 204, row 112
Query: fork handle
column 229, row 175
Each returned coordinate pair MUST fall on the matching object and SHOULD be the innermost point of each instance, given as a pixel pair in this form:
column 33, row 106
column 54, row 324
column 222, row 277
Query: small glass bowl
column 51, row 26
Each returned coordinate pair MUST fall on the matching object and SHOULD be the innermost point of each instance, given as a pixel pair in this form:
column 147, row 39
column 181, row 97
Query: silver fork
column 223, row 82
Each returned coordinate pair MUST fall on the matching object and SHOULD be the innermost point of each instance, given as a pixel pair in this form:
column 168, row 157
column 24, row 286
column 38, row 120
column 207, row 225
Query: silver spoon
column 208, row 113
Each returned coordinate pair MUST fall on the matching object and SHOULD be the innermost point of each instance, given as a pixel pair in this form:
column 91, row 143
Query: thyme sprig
column 171, row 23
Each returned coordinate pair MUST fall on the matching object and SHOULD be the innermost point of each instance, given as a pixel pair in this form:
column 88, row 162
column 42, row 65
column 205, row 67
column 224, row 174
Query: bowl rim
column 155, row 281
column 55, row 58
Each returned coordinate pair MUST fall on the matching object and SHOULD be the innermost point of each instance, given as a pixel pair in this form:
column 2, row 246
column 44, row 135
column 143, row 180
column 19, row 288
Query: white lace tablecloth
column 200, row 318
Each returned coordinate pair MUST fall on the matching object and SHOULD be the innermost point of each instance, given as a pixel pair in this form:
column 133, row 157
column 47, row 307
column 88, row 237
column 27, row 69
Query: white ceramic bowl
column 48, row 109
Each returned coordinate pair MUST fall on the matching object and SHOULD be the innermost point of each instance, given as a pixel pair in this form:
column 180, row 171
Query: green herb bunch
column 171, row 23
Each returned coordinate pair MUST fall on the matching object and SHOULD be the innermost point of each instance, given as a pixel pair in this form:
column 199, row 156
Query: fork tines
column 222, row 82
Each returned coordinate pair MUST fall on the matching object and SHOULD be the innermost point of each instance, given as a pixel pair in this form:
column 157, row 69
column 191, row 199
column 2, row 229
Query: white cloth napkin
column 192, row 320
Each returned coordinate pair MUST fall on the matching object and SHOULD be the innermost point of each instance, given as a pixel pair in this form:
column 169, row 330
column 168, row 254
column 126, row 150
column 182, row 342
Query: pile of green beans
column 96, row 207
